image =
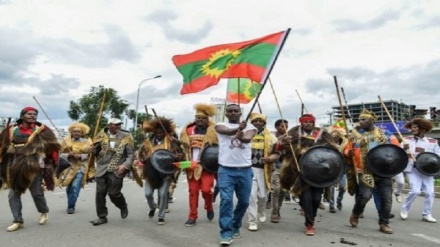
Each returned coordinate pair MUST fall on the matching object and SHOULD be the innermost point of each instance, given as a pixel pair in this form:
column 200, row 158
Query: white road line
column 432, row 239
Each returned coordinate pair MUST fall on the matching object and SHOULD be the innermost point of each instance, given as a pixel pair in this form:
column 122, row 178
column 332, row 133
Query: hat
column 205, row 110
column 255, row 116
column 423, row 124
column 84, row 127
column 368, row 114
column 307, row 117
column 26, row 109
column 114, row 121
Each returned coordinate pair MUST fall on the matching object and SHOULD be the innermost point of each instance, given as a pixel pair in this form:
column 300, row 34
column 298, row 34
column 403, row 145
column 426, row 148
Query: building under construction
column 399, row 111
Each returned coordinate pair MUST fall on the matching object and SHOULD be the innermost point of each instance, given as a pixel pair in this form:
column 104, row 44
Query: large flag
column 205, row 67
column 242, row 90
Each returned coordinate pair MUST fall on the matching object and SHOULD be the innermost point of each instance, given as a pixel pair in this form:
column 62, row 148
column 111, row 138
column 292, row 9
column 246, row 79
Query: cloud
column 119, row 47
column 350, row 25
column 165, row 20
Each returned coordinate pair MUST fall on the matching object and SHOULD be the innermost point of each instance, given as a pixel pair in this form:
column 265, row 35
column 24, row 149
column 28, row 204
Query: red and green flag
column 248, row 59
column 242, row 90
column 186, row 164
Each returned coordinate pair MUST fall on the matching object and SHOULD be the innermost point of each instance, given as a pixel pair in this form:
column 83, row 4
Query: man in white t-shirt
column 234, row 173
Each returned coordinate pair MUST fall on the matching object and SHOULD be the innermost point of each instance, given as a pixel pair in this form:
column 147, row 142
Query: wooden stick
column 282, row 122
column 395, row 126
column 91, row 160
column 302, row 103
column 346, row 127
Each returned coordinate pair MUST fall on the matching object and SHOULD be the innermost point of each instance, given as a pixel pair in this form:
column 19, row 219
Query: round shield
column 63, row 164
column 209, row 159
column 386, row 160
column 321, row 166
column 428, row 164
column 162, row 160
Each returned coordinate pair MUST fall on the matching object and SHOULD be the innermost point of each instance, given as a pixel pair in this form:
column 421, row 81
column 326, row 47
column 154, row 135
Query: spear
column 303, row 107
column 346, row 127
column 91, row 160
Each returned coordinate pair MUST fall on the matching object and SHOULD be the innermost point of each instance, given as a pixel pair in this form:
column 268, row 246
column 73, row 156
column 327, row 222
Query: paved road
column 137, row 230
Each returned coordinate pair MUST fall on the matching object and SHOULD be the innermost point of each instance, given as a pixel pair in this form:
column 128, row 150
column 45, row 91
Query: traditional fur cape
column 209, row 139
column 290, row 177
column 20, row 164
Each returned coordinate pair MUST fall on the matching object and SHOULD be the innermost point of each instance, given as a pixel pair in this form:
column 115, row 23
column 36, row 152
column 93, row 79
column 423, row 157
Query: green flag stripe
column 246, row 86
column 258, row 54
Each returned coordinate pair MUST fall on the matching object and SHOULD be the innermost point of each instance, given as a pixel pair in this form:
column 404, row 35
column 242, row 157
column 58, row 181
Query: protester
column 234, row 173
column 262, row 160
column 195, row 137
column 75, row 148
column 114, row 154
column 418, row 144
column 30, row 158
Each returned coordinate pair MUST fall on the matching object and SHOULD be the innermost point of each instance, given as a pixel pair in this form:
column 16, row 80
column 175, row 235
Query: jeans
column 73, row 189
column 383, row 194
column 341, row 191
column 230, row 180
column 37, row 195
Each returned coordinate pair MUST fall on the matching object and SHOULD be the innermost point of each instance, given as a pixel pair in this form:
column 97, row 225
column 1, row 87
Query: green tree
column 86, row 109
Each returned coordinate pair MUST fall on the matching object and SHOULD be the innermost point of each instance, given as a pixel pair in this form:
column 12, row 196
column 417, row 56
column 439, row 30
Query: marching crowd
column 259, row 167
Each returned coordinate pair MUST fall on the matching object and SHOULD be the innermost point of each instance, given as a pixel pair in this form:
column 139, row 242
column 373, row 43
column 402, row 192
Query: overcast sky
column 57, row 50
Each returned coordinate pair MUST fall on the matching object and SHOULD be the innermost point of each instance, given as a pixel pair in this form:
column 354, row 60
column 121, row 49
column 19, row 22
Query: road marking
column 432, row 239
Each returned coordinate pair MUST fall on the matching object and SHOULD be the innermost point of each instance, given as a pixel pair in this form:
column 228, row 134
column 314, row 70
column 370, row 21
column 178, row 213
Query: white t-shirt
column 232, row 152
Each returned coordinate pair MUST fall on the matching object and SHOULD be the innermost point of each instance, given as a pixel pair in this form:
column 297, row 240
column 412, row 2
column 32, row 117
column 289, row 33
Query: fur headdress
column 205, row 110
column 368, row 114
column 84, row 128
column 149, row 126
column 421, row 123
column 255, row 115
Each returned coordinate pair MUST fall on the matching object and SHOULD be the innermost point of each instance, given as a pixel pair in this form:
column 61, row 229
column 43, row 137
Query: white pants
column 257, row 200
column 400, row 182
column 418, row 183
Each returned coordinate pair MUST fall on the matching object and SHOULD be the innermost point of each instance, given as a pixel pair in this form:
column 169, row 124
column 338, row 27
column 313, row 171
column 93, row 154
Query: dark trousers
column 109, row 184
column 309, row 200
column 383, row 190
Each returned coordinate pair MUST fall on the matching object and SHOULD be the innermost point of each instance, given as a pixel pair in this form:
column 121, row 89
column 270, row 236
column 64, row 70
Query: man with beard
column 301, row 138
column 31, row 154
column 262, row 158
column 417, row 144
column 234, row 172
column 364, row 137
column 195, row 137
column 114, row 152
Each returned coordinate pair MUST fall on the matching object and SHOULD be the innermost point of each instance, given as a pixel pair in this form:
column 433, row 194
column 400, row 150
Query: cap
column 114, row 121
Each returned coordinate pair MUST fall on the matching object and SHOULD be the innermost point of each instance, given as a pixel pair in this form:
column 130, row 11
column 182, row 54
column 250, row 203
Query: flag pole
column 258, row 103
column 267, row 71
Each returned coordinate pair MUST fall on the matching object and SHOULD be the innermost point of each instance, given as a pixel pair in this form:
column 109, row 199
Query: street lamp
column 137, row 101
column 330, row 115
